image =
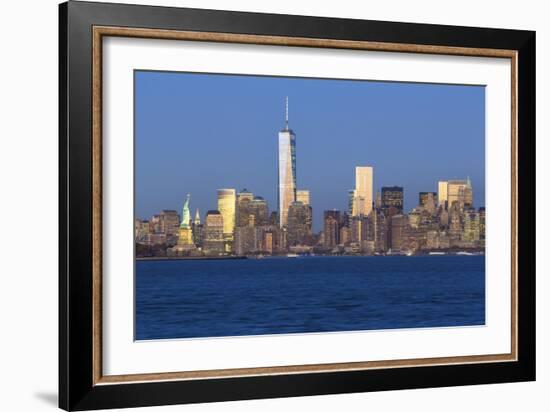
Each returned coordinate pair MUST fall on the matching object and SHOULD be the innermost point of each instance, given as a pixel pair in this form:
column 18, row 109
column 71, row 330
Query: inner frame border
column 98, row 32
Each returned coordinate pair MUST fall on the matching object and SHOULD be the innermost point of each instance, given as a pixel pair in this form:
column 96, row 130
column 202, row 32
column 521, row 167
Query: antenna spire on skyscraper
column 286, row 112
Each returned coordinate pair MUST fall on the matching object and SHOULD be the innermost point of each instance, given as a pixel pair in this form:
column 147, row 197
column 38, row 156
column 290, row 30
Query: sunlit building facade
column 363, row 193
column 287, row 170
column 351, row 197
column 303, row 196
column 442, row 193
column 460, row 191
column 213, row 233
column 227, row 199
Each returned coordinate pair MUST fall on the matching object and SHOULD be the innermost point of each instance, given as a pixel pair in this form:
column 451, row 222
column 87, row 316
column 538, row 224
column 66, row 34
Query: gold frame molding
column 102, row 31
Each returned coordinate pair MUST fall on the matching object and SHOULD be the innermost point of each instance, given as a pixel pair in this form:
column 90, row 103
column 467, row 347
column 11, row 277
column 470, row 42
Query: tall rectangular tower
column 392, row 196
column 442, row 186
column 362, row 195
column 287, row 170
column 227, row 200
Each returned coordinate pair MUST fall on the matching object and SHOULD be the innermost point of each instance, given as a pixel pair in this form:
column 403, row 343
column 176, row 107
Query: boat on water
column 292, row 255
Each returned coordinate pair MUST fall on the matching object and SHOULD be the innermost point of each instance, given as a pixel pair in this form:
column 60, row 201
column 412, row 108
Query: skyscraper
column 442, row 193
column 455, row 219
column 468, row 193
column 331, row 229
column 381, row 230
column 197, row 229
column 460, row 191
column 213, row 233
column 299, row 223
column 393, row 196
column 242, row 210
column 169, row 222
column 287, row 170
column 258, row 211
column 427, row 201
column 362, row 195
column 245, row 239
column 351, row 197
column 169, row 226
column 227, row 199
column 398, row 226
column 303, row 196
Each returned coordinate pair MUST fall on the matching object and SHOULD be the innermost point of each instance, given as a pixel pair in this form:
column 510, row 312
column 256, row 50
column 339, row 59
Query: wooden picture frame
column 82, row 385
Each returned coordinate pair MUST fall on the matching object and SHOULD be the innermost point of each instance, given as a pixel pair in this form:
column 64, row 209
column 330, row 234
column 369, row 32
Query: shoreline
column 252, row 257
column 191, row 258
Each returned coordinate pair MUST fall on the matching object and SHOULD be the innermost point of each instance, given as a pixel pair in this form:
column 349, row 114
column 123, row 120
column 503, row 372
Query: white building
column 363, row 193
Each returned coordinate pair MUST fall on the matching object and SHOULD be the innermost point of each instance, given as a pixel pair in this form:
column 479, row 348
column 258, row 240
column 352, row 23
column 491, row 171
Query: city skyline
column 327, row 192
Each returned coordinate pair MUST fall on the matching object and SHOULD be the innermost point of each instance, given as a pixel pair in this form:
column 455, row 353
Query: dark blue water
column 206, row 298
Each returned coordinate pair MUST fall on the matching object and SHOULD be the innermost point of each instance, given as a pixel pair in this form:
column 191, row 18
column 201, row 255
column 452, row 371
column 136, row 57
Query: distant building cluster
column 242, row 224
column 442, row 221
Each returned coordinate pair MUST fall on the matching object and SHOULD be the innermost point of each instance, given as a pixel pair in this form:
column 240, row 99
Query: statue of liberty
column 185, row 238
column 185, row 215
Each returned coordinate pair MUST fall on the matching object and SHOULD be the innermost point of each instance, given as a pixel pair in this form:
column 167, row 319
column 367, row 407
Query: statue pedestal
column 185, row 241
column 185, row 238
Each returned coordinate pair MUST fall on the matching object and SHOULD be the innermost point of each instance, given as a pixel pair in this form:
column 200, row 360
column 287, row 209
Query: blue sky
column 195, row 133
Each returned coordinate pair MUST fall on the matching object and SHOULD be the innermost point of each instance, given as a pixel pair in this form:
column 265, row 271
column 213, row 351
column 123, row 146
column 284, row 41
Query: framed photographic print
column 257, row 205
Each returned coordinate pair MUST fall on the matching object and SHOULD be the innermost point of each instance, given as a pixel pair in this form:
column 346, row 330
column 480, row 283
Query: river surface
column 209, row 298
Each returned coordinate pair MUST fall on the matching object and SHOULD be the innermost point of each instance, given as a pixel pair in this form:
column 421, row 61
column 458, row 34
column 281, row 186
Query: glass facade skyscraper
column 392, row 196
column 287, row 170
